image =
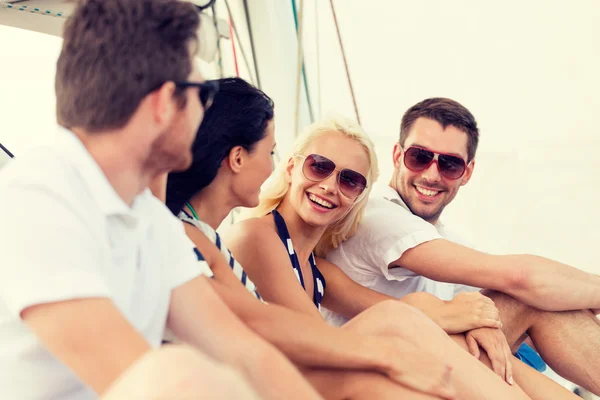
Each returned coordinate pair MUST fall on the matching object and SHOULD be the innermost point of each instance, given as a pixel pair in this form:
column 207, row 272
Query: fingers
column 497, row 357
column 473, row 346
column 509, row 370
column 500, row 356
column 491, row 323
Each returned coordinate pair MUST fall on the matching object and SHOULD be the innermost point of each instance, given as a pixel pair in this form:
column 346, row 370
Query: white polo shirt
column 387, row 230
column 66, row 234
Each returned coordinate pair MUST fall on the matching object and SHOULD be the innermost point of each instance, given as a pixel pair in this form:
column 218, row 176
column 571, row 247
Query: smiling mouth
column 427, row 192
column 320, row 202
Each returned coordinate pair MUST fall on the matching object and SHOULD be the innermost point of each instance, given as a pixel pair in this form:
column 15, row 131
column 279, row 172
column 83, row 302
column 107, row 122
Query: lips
column 427, row 195
column 320, row 202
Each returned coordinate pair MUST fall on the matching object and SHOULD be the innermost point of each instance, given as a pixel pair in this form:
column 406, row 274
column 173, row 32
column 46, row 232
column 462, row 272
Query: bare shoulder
column 256, row 242
column 252, row 232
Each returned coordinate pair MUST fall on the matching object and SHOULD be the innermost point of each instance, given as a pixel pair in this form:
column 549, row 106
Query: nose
column 432, row 174
column 330, row 184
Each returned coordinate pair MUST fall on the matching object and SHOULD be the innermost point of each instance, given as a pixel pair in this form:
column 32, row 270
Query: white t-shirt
column 387, row 230
column 66, row 234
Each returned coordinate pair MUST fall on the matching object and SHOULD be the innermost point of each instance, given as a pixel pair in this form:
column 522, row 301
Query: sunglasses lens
column 208, row 90
column 451, row 167
column 316, row 167
column 417, row 159
column 352, row 184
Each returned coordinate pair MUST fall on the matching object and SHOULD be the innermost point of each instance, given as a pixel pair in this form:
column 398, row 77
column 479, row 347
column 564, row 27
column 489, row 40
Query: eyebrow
column 427, row 148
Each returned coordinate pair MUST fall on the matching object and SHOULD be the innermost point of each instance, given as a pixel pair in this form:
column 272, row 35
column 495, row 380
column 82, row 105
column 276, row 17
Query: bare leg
column 472, row 380
column 568, row 341
column 536, row 385
column 177, row 373
column 341, row 385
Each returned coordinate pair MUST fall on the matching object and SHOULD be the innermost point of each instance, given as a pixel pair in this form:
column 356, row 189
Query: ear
column 468, row 173
column 397, row 154
column 163, row 104
column 288, row 170
column 236, row 159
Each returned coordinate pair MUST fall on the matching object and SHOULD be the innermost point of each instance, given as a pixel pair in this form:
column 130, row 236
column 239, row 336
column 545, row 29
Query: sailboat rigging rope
column 337, row 28
column 300, row 59
column 318, row 38
column 253, row 80
column 250, row 34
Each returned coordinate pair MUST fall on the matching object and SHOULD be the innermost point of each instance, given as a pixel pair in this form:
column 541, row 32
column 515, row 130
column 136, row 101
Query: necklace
column 192, row 210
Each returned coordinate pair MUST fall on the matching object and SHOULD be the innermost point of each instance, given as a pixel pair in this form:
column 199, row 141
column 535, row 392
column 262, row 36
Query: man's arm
column 90, row 336
column 536, row 281
column 197, row 316
column 465, row 312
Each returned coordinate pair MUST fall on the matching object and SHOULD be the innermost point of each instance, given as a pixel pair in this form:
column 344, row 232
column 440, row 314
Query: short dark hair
column 238, row 116
column 115, row 52
column 448, row 113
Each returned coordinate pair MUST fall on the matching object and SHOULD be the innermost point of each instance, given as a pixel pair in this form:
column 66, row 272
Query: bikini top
column 319, row 280
column 237, row 269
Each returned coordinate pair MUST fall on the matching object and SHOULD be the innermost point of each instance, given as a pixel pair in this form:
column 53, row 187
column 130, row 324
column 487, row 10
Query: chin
column 183, row 163
column 251, row 204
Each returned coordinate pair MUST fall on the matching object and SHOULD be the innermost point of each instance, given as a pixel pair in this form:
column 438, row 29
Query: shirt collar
column 388, row 193
column 93, row 177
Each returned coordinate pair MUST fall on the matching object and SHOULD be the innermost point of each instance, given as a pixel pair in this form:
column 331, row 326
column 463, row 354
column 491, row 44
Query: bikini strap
column 284, row 235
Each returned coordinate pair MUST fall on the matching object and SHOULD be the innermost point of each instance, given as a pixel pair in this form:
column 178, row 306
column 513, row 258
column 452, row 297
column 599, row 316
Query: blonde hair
column 276, row 187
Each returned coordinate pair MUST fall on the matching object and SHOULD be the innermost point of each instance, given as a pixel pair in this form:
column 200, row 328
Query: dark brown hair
column 115, row 52
column 447, row 112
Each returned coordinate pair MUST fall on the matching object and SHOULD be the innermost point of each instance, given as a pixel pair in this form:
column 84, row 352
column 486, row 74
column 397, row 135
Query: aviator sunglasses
column 317, row 168
column 418, row 159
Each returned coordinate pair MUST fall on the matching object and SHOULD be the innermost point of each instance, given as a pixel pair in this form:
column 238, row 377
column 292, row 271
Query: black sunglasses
column 317, row 168
column 207, row 91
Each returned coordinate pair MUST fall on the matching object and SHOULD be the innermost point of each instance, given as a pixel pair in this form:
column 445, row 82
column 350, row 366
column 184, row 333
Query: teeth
column 320, row 201
column 426, row 192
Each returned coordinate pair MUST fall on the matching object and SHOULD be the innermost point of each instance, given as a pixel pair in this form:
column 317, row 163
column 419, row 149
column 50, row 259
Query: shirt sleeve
column 390, row 231
column 48, row 253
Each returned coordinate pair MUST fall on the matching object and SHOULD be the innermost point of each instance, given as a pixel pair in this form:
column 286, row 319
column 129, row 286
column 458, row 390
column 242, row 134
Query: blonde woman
column 313, row 201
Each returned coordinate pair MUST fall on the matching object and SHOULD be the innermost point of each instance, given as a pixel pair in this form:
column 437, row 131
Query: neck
column 212, row 204
column 118, row 161
column 304, row 236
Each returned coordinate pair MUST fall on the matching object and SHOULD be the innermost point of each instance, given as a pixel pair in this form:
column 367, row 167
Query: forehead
column 429, row 133
column 342, row 150
column 270, row 131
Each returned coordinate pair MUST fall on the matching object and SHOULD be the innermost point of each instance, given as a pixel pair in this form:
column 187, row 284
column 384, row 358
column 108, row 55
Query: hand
column 469, row 311
column 418, row 369
column 495, row 345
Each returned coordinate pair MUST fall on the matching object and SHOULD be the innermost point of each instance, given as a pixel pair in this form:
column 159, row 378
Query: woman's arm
column 310, row 342
column 259, row 249
column 465, row 312
column 198, row 317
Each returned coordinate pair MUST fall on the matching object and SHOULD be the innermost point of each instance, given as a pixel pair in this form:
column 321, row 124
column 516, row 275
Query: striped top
column 216, row 239
column 318, row 278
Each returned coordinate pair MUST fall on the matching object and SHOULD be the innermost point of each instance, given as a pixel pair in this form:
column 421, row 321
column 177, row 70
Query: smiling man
column 402, row 247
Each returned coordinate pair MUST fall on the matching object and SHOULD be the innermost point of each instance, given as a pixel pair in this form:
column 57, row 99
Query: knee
column 508, row 305
column 375, row 386
column 178, row 370
column 407, row 321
